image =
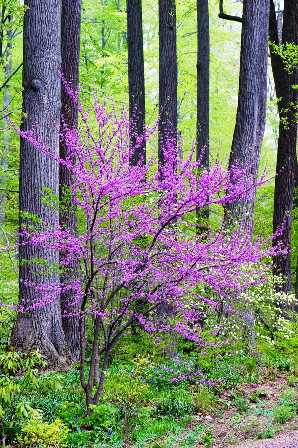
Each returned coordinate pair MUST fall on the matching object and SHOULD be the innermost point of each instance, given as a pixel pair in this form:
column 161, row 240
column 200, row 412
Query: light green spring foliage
column 36, row 433
column 17, row 416
column 104, row 67
column 16, row 11
column 104, row 73
column 288, row 52
column 103, row 51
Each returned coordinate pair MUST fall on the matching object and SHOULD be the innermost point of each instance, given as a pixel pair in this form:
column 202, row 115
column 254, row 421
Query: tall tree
column 70, row 53
column 287, row 97
column 167, row 77
column 136, row 81
column 251, row 111
column 203, row 79
column 40, row 326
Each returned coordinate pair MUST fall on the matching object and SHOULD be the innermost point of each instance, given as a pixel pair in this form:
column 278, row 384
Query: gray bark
column 251, row 111
column 287, row 139
column 136, row 81
column 203, row 79
column 41, row 327
column 167, row 77
column 70, row 49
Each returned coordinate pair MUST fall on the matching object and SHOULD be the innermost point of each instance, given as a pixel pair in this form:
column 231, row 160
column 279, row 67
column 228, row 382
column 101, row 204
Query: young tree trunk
column 167, row 77
column 251, row 111
column 203, row 79
column 136, row 81
column 287, row 140
column 70, row 49
column 39, row 325
column 103, row 29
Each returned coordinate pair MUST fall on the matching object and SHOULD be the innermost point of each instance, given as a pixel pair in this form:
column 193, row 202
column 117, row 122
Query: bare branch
column 223, row 15
column 11, row 76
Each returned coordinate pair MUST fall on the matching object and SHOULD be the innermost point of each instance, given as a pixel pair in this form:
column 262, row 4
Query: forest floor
column 287, row 440
column 261, row 413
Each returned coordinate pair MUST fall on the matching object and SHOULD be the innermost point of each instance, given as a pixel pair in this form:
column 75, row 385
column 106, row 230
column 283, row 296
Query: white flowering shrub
column 272, row 310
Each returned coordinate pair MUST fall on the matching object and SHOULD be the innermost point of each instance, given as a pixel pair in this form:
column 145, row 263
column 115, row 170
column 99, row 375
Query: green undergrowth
column 150, row 399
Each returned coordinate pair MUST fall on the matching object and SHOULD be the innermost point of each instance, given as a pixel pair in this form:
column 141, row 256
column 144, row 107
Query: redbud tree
column 137, row 242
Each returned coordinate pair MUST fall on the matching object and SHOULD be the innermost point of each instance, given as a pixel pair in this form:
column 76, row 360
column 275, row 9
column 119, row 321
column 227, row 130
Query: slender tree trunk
column 167, row 78
column 70, row 49
column 6, row 132
column 203, row 79
column 103, row 29
column 136, row 82
column 39, row 324
column 251, row 111
column 287, row 140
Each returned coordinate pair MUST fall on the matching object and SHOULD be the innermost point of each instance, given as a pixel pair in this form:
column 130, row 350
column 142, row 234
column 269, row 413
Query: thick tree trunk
column 167, row 78
column 295, row 206
column 203, row 79
column 287, row 140
column 136, row 82
column 251, row 111
column 70, row 49
column 39, row 325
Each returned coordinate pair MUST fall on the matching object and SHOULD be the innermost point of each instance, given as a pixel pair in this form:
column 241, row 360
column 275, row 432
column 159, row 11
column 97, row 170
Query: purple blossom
column 140, row 243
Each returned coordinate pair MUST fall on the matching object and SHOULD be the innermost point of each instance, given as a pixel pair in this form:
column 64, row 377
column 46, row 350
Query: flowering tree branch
column 138, row 245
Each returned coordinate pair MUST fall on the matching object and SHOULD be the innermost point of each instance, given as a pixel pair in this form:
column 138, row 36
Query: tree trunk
column 167, row 78
column 203, row 79
column 295, row 206
column 39, row 321
column 287, row 140
column 136, row 82
column 70, row 49
column 251, row 111
column 103, row 29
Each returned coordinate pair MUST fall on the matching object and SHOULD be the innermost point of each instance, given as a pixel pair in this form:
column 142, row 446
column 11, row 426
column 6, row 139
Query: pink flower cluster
column 137, row 242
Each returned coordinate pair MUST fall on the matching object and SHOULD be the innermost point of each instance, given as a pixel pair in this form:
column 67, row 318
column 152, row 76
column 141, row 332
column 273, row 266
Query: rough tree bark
column 287, row 140
column 40, row 327
column 168, row 102
column 70, row 52
column 250, row 119
column 251, row 111
column 167, row 77
column 136, row 81
column 203, row 79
